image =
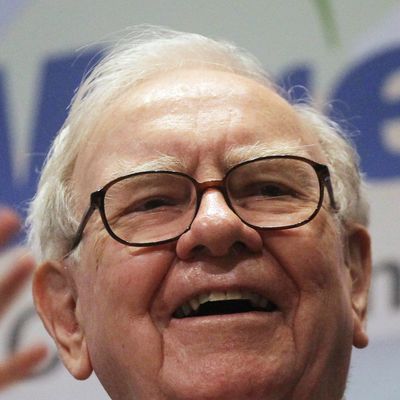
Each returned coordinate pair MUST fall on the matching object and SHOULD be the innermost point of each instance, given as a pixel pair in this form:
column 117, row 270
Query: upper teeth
column 194, row 303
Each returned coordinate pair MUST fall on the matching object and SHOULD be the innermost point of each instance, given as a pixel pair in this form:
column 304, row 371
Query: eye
column 273, row 190
column 150, row 205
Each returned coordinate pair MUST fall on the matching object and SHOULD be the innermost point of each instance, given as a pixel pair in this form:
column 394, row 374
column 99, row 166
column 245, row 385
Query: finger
column 13, row 281
column 21, row 365
column 9, row 224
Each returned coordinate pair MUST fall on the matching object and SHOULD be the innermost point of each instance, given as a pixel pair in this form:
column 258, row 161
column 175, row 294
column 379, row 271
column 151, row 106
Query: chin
column 228, row 378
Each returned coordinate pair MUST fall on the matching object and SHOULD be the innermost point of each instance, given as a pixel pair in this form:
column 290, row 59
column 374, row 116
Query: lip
column 178, row 290
column 219, row 288
column 252, row 319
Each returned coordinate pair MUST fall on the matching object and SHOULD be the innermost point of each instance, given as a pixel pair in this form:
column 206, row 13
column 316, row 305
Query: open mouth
column 222, row 303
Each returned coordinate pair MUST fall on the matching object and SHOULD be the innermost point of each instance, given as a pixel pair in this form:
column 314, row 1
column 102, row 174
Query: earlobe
column 359, row 263
column 55, row 300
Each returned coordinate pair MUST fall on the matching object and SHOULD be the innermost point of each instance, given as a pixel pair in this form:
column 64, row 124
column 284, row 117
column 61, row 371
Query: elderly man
column 199, row 237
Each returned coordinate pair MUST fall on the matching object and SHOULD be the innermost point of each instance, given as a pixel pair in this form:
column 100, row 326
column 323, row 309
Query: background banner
column 345, row 53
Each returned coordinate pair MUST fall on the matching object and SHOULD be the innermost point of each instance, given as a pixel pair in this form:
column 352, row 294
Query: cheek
column 311, row 256
column 129, row 277
column 115, row 301
column 117, row 287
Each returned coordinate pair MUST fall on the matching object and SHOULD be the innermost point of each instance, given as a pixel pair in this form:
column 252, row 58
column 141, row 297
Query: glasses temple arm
column 328, row 185
column 82, row 225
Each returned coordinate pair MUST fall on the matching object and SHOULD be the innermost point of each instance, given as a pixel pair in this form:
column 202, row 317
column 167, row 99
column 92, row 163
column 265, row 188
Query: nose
column 217, row 230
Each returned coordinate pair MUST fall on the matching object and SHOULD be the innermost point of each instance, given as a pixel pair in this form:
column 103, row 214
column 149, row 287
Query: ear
column 359, row 264
column 55, row 300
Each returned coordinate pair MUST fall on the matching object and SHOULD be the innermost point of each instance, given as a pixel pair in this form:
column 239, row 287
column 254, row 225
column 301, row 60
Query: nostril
column 239, row 247
column 217, row 231
column 199, row 249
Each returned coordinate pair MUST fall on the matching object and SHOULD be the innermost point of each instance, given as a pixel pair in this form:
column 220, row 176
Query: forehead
column 189, row 118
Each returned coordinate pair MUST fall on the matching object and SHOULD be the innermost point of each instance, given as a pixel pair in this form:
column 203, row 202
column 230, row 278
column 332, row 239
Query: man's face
column 189, row 120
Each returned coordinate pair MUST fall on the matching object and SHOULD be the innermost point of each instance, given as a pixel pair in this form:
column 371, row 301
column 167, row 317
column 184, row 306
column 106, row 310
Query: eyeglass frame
column 97, row 199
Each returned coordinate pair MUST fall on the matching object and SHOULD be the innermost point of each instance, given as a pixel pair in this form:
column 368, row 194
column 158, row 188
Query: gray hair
column 52, row 220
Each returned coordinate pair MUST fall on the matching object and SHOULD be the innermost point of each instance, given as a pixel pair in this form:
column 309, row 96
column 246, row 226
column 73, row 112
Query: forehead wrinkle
column 163, row 162
column 160, row 88
column 237, row 155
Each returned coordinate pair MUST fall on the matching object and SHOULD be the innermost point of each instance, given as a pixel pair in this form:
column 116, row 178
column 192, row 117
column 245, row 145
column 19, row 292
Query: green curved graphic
column 325, row 12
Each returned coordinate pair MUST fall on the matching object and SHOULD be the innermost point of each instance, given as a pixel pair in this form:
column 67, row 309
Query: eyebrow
column 233, row 156
column 163, row 162
column 237, row 155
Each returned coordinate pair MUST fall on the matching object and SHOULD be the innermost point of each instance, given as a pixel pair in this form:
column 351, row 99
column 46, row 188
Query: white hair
column 52, row 221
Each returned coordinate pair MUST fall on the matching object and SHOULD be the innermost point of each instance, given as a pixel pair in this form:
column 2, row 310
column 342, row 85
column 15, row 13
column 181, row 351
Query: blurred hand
column 21, row 364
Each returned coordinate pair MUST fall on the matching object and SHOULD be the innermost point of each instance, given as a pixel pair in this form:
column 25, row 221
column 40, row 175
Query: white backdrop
column 355, row 65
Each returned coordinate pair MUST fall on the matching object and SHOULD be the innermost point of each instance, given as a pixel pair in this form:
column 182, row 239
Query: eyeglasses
column 155, row 207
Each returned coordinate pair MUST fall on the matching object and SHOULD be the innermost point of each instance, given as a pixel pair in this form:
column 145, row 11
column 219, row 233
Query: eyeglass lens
column 267, row 193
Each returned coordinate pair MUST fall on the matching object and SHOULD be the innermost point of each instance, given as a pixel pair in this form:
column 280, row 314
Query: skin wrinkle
column 100, row 238
column 300, row 297
column 95, row 229
column 282, row 264
column 143, row 250
column 167, row 162
column 218, row 266
column 163, row 162
column 148, row 271
column 167, row 271
column 155, row 322
column 298, row 291
column 238, row 155
column 312, row 366
column 206, row 262
column 142, row 316
column 137, row 112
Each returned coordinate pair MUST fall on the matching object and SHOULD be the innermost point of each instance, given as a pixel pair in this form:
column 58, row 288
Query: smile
column 229, row 302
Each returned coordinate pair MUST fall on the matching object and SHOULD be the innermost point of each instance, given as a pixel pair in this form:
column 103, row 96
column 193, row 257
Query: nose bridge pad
column 202, row 187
